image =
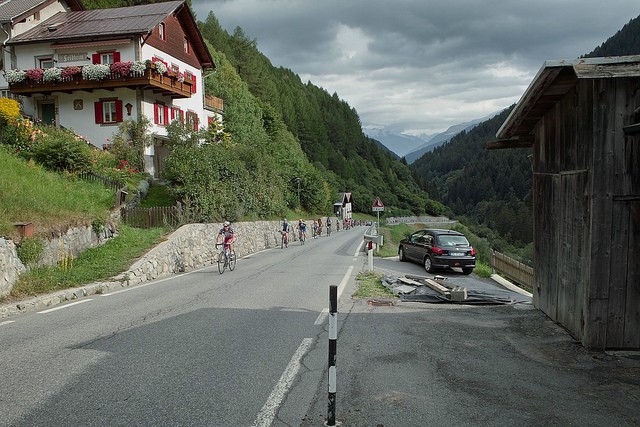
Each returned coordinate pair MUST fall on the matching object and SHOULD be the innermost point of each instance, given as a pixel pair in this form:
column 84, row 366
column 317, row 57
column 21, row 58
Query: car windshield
column 452, row 240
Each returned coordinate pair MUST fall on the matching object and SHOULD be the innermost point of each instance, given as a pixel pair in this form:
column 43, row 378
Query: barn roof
column 101, row 24
column 552, row 82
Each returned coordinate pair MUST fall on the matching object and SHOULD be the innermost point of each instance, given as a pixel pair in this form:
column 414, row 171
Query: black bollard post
column 333, row 336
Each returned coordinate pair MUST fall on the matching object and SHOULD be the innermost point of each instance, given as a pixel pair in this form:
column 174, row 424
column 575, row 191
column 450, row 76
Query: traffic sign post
column 378, row 207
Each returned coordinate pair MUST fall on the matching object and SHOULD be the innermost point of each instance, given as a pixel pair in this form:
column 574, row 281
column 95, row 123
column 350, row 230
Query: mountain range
column 412, row 147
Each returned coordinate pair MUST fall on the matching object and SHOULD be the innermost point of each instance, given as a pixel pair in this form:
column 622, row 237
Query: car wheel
column 467, row 270
column 401, row 254
column 428, row 265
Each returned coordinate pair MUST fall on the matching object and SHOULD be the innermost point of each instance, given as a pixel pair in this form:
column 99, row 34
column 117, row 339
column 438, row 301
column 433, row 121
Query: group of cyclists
column 226, row 235
column 301, row 228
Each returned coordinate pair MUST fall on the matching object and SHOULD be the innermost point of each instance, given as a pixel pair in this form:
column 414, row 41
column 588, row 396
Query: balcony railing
column 149, row 79
column 213, row 103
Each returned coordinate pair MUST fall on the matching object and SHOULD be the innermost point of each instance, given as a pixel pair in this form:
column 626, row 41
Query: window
column 192, row 120
column 187, row 47
column 108, row 111
column 160, row 114
column 161, row 31
column 177, row 114
column 107, row 58
column 45, row 62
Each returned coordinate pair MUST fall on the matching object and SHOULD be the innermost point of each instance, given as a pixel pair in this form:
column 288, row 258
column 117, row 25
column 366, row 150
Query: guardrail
column 512, row 269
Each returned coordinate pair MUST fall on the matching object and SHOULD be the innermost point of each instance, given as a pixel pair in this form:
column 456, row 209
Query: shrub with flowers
column 121, row 68
column 180, row 76
column 68, row 72
column 52, row 74
column 138, row 68
column 14, row 76
column 160, row 67
column 9, row 109
column 95, row 71
column 34, row 74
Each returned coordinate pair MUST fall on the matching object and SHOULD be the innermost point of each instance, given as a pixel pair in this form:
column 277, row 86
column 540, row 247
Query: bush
column 59, row 150
column 30, row 250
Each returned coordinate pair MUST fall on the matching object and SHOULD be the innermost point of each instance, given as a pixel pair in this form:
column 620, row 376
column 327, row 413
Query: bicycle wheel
column 282, row 242
column 232, row 260
column 222, row 262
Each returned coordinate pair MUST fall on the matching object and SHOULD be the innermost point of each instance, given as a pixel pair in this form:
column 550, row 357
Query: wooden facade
column 582, row 119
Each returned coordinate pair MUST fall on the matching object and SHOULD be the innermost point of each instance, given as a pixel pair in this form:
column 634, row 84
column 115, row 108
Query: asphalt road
column 249, row 348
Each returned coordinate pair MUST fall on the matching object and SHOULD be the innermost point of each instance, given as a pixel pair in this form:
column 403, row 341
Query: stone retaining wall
column 10, row 266
column 191, row 246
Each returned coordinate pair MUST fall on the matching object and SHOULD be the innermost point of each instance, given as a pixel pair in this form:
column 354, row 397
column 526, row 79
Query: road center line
column 268, row 411
column 64, row 306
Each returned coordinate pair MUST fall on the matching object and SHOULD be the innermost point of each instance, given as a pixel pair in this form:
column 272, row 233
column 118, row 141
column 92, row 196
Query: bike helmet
column 226, row 224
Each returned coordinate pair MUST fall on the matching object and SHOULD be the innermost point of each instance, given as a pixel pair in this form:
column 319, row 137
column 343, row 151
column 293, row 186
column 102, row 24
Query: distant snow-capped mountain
column 397, row 142
column 413, row 147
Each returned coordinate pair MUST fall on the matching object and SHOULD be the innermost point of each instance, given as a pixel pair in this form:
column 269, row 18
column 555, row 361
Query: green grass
column 370, row 286
column 28, row 193
column 96, row 264
column 158, row 195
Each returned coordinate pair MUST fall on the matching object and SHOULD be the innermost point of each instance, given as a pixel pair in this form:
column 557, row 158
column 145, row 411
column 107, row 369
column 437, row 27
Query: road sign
column 377, row 205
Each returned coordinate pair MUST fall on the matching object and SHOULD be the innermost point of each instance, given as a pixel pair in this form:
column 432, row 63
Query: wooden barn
column 582, row 118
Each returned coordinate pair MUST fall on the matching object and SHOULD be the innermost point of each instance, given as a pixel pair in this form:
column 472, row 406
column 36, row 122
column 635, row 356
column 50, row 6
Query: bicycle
column 226, row 258
column 328, row 230
column 284, row 242
column 302, row 235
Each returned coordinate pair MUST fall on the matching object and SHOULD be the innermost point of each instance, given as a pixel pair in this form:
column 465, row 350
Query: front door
column 48, row 113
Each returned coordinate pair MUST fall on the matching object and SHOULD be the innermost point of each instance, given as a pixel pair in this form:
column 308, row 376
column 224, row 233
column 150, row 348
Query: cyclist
column 328, row 226
column 302, row 230
column 319, row 226
column 227, row 235
column 284, row 230
column 315, row 229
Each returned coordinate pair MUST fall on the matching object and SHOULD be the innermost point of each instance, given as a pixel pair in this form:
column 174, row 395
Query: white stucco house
column 18, row 16
column 88, row 70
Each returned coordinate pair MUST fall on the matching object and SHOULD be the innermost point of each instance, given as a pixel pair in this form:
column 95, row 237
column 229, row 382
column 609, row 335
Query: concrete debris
column 415, row 285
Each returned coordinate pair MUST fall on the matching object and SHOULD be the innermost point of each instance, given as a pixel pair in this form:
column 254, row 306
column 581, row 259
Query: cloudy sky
column 420, row 66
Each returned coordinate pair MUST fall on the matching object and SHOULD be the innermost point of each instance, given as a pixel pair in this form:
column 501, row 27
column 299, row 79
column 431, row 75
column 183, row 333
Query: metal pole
column 333, row 336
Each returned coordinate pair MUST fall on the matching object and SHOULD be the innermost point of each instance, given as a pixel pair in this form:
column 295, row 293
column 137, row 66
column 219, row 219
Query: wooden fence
column 513, row 269
column 106, row 181
column 167, row 216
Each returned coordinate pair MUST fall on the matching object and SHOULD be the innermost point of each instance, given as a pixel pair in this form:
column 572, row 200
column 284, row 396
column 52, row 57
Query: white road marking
column 6, row 322
column 322, row 316
column 64, row 306
column 268, row 411
column 345, row 279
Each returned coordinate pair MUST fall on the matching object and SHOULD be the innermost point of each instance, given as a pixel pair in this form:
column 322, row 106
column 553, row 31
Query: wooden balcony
column 213, row 103
column 149, row 80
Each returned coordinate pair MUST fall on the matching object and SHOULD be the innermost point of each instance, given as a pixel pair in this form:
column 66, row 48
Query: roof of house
column 13, row 9
column 552, row 82
column 100, row 24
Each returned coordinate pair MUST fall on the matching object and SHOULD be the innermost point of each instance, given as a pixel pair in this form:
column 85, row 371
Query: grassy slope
column 50, row 201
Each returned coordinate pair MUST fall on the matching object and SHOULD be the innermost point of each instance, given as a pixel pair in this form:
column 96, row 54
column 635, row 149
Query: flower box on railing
column 96, row 76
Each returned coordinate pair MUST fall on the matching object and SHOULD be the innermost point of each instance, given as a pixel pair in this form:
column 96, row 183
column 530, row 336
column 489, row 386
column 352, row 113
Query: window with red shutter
column 165, row 111
column 97, row 106
column 193, row 86
column 118, row 111
column 95, row 58
column 116, row 56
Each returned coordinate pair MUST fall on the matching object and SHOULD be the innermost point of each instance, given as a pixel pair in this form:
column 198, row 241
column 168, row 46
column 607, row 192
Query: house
column 343, row 206
column 582, row 118
column 18, row 16
column 89, row 70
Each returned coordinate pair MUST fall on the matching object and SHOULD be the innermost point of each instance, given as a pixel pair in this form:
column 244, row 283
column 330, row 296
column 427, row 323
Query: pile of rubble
column 439, row 290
